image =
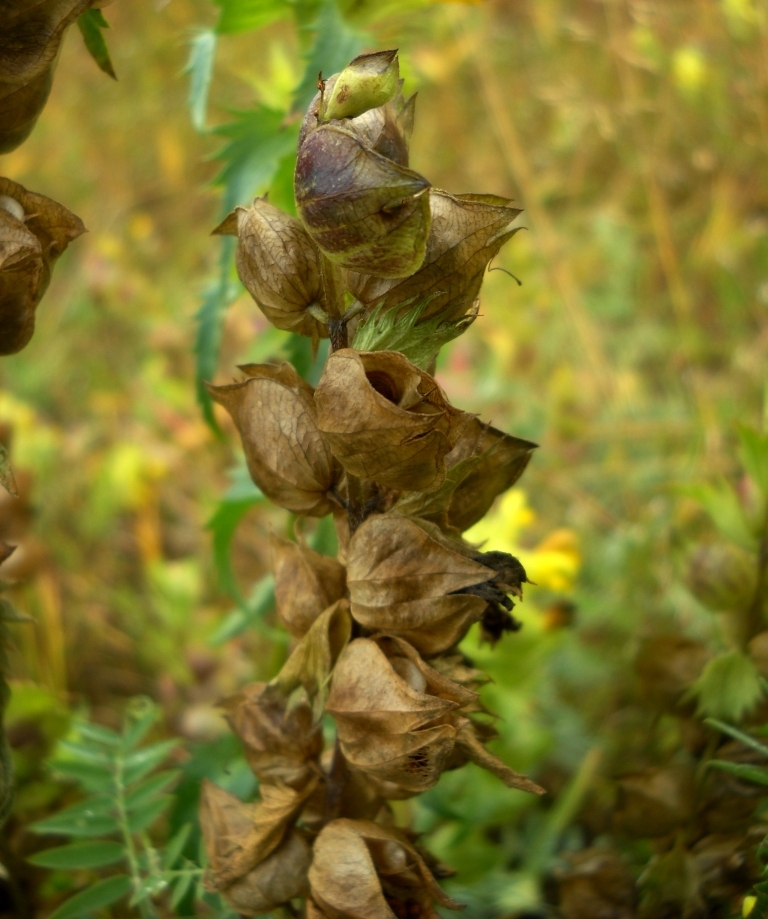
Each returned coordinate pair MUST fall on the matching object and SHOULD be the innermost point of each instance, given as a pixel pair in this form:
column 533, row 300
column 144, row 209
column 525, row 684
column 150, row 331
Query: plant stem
column 146, row 910
column 755, row 620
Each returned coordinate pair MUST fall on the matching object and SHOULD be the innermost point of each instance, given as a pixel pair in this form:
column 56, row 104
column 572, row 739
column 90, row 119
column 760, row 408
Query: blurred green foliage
column 635, row 134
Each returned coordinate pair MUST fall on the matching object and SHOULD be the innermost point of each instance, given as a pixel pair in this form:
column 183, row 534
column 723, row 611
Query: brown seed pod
column 386, row 420
column 34, row 231
column 279, row 266
column 361, row 870
column 31, row 38
column 483, row 464
column 306, row 583
column 666, row 666
column 239, row 837
column 466, row 232
column 274, row 410
column 281, row 743
column 655, row 802
column 596, row 884
column 366, row 212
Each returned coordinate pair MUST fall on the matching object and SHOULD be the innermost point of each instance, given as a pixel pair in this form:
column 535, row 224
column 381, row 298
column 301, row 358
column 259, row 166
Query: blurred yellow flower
column 553, row 563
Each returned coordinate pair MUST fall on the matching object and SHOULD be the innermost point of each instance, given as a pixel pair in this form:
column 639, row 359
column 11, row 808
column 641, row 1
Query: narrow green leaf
column 141, row 715
column 223, row 525
column 103, row 893
column 98, row 734
column 334, row 45
column 737, row 735
column 202, row 54
column 92, row 817
column 145, row 814
column 754, row 456
column 251, row 615
column 80, row 855
column 6, row 473
column 86, row 753
column 138, row 796
column 724, row 507
column 756, row 774
column 91, row 24
column 175, row 847
column 183, row 884
column 142, row 762
column 247, row 15
column 93, row 777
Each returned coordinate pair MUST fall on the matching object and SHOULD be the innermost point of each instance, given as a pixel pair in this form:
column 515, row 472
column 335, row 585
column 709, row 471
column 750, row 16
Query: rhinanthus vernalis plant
column 389, row 269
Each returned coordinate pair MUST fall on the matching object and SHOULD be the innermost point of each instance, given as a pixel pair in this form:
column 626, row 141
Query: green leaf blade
column 103, row 893
column 91, row 24
column 80, row 855
column 90, row 818
column 246, row 15
column 202, row 54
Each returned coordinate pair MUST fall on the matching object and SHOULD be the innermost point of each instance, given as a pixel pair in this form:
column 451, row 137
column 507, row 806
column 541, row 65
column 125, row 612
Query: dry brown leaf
column 281, row 743
column 361, row 871
column 466, row 233
column 365, row 212
column 31, row 32
column 287, row 457
column 278, row 265
column 312, row 661
column 306, row 583
column 386, row 420
column 34, row 231
column 239, row 836
column 403, row 580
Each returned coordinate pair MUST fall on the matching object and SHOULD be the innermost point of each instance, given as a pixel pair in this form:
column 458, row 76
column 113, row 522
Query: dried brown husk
column 34, row 231
column 274, row 411
column 239, row 836
column 403, row 580
column 312, row 661
column 360, row 870
column 306, row 583
column 596, row 884
column 666, row 666
column 279, row 879
column 366, row 212
column 387, row 420
column 655, row 802
column 470, row 745
column 281, row 743
column 279, row 266
column 466, row 232
column 32, row 31
column 482, row 465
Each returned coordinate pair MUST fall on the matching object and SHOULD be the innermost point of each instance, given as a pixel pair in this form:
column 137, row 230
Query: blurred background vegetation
column 635, row 135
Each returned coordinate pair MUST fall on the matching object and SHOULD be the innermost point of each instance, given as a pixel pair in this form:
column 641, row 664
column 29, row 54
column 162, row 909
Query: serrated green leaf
column 91, row 24
column 7, row 479
column 145, row 814
column 247, row 15
column 142, row 762
column 202, row 54
column 728, row 687
column 753, row 454
column 335, row 43
column 149, row 789
column 723, row 506
column 756, row 774
column 736, row 734
column 103, row 893
column 80, row 855
column 89, row 818
column 232, row 508
column 182, row 886
column 175, row 847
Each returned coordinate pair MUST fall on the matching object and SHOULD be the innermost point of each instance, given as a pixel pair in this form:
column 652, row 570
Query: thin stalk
column 755, row 621
column 145, row 909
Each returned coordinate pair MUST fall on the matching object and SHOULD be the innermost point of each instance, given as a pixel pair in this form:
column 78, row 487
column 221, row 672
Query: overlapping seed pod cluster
column 34, row 230
column 388, row 268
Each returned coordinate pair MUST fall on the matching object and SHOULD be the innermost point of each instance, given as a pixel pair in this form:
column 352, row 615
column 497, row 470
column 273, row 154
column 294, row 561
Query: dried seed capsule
column 306, row 583
column 466, row 232
column 274, row 410
column 279, row 266
column 723, row 577
column 386, row 420
column 34, row 231
column 361, row 870
column 32, row 35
